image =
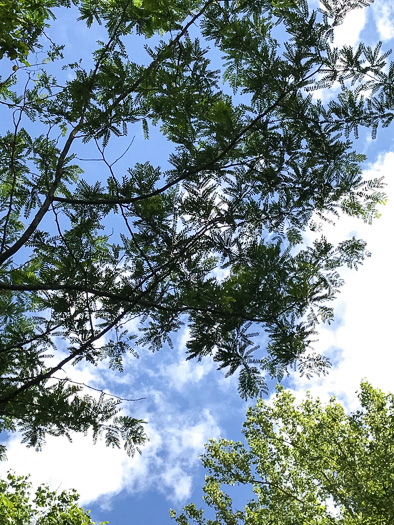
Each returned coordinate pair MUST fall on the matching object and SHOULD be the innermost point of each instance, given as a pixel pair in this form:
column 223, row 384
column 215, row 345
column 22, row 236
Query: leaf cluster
column 304, row 463
column 46, row 507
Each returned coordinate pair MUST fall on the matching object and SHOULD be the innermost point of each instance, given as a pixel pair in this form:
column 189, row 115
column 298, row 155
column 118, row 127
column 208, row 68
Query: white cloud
column 349, row 32
column 220, row 273
column 383, row 12
column 65, row 465
column 177, row 433
column 176, row 438
column 325, row 95
column 181, row 482
column 194, row 437
column 364, row 340
column 181, row 373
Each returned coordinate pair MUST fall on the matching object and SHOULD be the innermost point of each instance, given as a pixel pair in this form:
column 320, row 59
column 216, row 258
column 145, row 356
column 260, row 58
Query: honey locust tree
column 212, row 236
column 17, row 506
column 306, row 463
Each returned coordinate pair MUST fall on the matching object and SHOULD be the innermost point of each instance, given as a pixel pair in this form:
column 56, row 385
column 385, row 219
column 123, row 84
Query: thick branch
column 59, row 168
column 21, row 344
column 48, row 200
column 46, row 375
column 125, row 297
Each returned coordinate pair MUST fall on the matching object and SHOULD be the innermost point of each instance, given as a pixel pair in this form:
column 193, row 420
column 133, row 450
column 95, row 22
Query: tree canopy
column 213, row 236
column 45, row 508
column 22, row 22
column 306, row 463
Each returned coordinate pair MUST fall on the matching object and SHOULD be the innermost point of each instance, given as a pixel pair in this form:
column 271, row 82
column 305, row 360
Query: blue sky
column 186, row 403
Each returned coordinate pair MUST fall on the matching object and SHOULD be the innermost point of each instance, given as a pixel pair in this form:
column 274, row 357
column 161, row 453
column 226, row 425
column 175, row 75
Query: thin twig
column 98, row 389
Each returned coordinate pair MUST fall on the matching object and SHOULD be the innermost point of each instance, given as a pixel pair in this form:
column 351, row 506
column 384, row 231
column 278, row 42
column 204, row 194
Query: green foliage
column 22, row 22
column 247, row 174
column 45, row 508
column 304, row 463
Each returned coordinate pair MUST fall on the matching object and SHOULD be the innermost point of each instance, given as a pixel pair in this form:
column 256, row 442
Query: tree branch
column 31, row 340
column 208, row 166
column 271, row 484
column 48, row 200
column 144, row 303
column 97, row 389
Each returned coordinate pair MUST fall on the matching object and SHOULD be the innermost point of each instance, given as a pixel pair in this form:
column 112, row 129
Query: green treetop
column 249, row 164
column 47, row 507
column 305, row 464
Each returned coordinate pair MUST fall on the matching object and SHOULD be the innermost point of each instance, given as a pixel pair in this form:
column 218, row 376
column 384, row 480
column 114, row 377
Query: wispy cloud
column 177, row 430
column 176, row 440
column 383, row 11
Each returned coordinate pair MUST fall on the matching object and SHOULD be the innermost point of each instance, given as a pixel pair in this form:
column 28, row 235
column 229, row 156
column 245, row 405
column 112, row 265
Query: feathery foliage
column 211, row 237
